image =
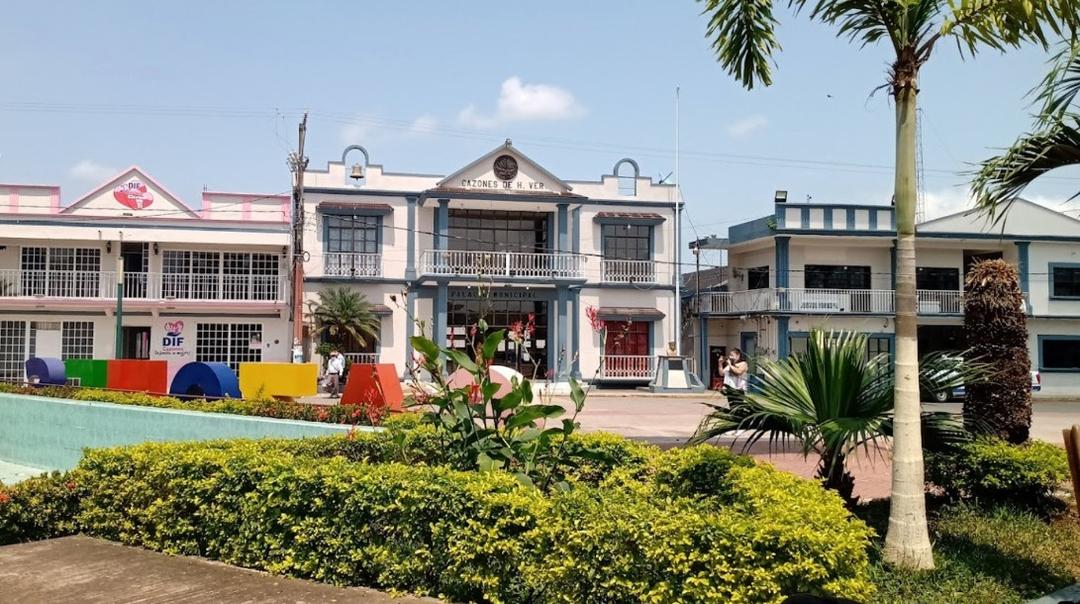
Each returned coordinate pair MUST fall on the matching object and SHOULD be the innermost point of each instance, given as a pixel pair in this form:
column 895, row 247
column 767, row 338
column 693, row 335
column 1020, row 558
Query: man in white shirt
column 335, row 368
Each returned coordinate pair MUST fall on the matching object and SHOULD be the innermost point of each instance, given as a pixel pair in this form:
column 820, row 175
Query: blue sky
column 208, row 94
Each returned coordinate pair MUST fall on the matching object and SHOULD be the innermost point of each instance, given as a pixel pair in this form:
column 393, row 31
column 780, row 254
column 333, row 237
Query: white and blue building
column 502, row 239
column 832, row 266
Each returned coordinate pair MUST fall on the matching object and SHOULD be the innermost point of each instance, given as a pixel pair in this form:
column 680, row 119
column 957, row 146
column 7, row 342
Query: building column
column 410, row 238
column 410, row 314
column 562, row 349
column 574, row 324
column 438, row 314
column 1023, row 249
column 442, row 224
column 783, row 245
column 562, row 223
column 783, row 349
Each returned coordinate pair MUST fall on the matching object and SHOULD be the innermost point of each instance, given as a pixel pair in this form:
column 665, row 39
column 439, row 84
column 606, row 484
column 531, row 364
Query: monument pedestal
column 673, row 375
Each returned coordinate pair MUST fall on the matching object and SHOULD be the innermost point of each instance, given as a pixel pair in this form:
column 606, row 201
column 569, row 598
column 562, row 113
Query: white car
column 960, row 392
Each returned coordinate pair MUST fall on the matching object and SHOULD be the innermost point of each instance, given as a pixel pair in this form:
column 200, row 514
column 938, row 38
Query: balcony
column 509, row 265
column 629, row 271
column 364, row 358
column 348, row 264
column 101, row 285
column 827, row 302
column 626, row 367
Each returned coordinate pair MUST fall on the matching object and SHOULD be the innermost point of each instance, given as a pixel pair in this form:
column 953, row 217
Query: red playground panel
column 375, row 385
column 138, row 376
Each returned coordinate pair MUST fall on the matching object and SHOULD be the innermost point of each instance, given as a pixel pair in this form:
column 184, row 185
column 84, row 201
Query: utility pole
column 298, row 165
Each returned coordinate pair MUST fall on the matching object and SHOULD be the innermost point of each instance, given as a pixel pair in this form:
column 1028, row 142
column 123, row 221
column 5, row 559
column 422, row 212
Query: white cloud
column 423, row 125
column 520, row 102
column 742, row 127
column 90, row 170
column 356, row 133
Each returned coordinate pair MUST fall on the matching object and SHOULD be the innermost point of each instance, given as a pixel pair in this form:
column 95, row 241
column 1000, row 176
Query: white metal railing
column 830, row 301
column 367, row 358
column 940, row 302
column 350, row 264
column 502, row 264
column 628, row 271
column 627, row 367
column 16, row 283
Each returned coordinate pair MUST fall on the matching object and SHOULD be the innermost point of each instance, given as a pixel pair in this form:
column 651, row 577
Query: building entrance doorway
column 136, row 263
column 136, row 343
column 528, row 356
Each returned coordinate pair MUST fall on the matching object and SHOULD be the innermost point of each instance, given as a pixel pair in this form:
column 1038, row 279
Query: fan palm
column 344, row 315
column 834, row 399
column 743, row 37
column 1054, row 143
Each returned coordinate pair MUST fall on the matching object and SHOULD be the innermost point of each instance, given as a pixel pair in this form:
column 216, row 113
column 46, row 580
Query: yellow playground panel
column 278, row 380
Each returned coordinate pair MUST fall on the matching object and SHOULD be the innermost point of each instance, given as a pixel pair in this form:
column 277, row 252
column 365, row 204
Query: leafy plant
column 832, row 400
column 344, row 317
column 995, row 326
column 992, row 470
column 508, row 433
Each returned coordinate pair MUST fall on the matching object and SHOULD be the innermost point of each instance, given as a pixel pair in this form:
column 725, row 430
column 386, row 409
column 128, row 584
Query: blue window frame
column 1059, row 354
column 1064, row 281
column 876, row 343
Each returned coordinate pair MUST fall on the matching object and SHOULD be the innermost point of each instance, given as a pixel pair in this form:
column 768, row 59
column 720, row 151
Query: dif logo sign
column 173, row 340
column 134, row 194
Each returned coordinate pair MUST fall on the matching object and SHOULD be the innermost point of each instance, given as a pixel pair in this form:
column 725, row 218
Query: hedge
column 307, row 509
column 331, row 414
column 994, row 471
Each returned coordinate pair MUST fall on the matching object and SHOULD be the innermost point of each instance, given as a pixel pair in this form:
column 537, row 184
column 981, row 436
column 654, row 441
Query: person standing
column 335, row 367
column 736, row 370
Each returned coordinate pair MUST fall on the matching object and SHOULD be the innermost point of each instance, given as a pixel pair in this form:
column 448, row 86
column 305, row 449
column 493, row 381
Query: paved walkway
column 84, row 570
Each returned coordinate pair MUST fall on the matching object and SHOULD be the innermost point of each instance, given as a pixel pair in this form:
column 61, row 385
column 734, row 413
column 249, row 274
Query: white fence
column 629, row 271
column 16, row 283
column 502, row 264
column 627, row 367
column 827, row 301
column 347, row 264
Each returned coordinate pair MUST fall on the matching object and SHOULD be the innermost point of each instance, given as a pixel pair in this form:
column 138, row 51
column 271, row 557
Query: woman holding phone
column 736, row 370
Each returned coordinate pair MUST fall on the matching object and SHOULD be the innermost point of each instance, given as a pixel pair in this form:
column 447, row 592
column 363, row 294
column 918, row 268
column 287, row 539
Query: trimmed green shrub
column 38, row 508
column 331, row 414
column 302, row 508
column 993, row 470
column 595, row 455
column 699, row 470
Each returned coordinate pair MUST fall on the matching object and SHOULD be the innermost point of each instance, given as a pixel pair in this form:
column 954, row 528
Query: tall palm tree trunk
column 907, row 542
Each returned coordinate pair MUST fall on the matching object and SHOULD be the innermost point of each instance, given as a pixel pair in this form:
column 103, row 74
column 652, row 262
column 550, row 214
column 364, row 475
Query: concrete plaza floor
column 82, row 570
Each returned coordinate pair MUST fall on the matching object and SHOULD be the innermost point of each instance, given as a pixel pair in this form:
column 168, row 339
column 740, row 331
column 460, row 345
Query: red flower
column 4, row 498
column 70, row 485
column 593, row 314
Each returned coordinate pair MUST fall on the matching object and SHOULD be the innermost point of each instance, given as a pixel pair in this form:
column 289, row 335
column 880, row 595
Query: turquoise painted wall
column 51, row 433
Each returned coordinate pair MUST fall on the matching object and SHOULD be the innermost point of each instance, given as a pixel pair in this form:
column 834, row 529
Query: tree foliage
column 995, row 324
column 344, row 316
column 832, row 400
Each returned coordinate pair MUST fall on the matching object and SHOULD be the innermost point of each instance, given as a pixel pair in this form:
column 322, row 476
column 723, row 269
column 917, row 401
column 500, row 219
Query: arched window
column 627, row 182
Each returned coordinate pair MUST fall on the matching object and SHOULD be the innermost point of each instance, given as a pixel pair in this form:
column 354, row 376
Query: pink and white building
column 199, row 283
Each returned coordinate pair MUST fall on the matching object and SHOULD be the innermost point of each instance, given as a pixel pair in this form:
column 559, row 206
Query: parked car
column 960, row 392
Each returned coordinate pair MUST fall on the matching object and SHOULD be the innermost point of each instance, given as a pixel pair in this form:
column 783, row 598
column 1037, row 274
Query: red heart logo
column 134, row 195
column 174, row 328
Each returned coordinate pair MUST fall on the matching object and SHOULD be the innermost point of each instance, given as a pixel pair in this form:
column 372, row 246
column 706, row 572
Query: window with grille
column 61, row 272
column 827, row 276
column 627, row 241
column 937, row 278
column 353, row 234
column 77, row 340
column 757, row 278
column 229, row 343
column 1064, row 281
column 197, row 275
column 13, row 351
column 250, row 276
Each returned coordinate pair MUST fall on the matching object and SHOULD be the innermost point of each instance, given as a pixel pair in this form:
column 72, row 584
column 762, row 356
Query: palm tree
column 344, row 315
column 834, row 399
column 742, row 35
column 1054, row 143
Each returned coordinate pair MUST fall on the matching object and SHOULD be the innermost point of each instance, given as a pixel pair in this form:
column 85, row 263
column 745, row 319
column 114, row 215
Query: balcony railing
column 627, row 367
column 628, row 271
column 16, row 283
column 459, row 263
column 367, row 358
column 347, row 264
column 827, row 301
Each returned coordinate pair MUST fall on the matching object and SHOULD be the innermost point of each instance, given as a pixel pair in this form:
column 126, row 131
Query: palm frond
column 1058, row 90
column 742, row 34
column 1002, row 24
column 1002, row 179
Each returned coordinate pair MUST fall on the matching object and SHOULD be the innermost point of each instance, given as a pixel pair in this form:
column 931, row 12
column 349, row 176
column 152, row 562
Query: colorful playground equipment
column 279, row 380
column 375, row 385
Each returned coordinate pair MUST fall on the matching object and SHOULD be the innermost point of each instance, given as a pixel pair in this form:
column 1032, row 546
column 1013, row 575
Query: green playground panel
column 91, row 373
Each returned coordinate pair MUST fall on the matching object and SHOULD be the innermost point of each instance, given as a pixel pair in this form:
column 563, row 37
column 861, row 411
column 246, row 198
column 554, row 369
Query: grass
column 996, row 555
